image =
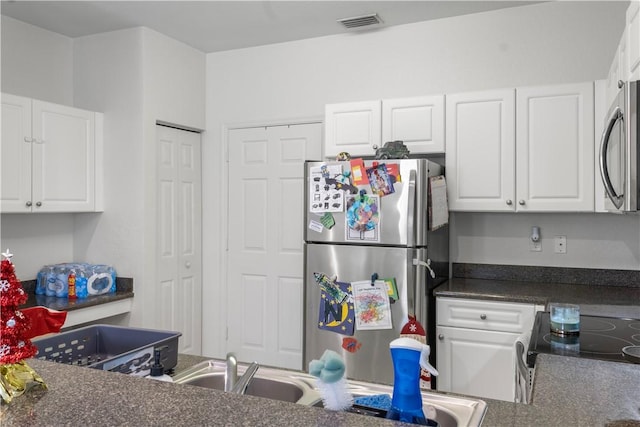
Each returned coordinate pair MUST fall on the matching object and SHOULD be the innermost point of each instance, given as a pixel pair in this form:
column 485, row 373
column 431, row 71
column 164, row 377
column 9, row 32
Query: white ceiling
column 212, row 26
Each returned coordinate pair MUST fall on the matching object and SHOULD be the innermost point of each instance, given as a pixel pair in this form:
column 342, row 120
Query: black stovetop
column 599, row 338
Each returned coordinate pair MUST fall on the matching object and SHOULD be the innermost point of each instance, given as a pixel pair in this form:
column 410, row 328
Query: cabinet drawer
column 485, row 315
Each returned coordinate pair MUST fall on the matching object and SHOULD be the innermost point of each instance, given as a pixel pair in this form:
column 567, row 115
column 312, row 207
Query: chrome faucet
column 234, row 384
column 241, row 385
column 230, row 372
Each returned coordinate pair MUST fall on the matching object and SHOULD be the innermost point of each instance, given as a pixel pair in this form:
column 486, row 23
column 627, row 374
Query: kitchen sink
column 442, row 416
column 277, row 384
column 450, row 411
column 298, row 387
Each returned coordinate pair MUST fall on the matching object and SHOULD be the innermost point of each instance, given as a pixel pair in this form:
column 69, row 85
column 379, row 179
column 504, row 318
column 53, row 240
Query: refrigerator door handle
column 419, row 285
column 427, row 264
column 411, row 208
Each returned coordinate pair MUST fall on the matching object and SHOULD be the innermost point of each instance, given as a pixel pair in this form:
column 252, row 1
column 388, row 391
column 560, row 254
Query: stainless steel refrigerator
column 398, row 246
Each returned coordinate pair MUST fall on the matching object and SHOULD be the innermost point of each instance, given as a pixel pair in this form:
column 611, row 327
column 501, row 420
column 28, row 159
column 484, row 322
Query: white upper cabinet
column 632, row 32
column 525, row 150
column 481, row 150
column 353, row 127
column 554, row 148
column 418, row 122
column 625, row 65
column 16, row 154
column 360, row 128
column 616, row 70
column 51, row 157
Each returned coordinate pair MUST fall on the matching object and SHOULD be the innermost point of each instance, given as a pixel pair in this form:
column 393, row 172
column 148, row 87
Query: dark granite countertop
column 78, row 396
column 538, row 292
column 619, row 289
column 124, row 289
column 570, row 391
column 567, row 391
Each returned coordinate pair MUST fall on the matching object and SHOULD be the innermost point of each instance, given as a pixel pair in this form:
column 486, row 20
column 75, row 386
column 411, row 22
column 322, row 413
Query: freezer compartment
column 366, row 352
column 403, row 214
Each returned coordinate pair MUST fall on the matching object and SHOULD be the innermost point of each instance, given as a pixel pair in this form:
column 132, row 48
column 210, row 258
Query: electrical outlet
column 561, row 244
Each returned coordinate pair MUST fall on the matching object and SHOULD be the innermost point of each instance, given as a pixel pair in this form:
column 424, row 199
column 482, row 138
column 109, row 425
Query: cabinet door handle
column 509, row 202
column 483, row 316
column 27, row 139
column 28, row 204
column 440, row 337
column 521, row 202
column 38, row 141
column 38, row 204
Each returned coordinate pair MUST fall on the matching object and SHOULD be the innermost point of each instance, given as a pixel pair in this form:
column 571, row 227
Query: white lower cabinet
column 476, row 345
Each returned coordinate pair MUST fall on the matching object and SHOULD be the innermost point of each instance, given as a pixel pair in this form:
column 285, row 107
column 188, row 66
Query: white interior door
column 179, row 245
column 265, row 241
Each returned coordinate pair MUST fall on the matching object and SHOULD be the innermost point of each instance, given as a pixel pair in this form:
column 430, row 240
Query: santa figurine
column 413, row 329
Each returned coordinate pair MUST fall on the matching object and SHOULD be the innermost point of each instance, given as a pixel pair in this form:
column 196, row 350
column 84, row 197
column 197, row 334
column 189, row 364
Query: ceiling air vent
column 361, row 21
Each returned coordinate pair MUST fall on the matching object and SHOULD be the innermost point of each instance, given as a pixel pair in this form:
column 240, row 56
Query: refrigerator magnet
column 371, row 305
column 351, row 344
column 358, row 172
column 324, row 194
column 328, row 221
column 342, row 182
column 329, row 285
column 336, row 316
column 393, row 170
column 392, row 289
column 316, row 226
column 380, row 181
column 362, row 218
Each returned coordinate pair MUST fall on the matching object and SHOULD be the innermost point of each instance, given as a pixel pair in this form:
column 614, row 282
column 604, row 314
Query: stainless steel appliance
column 600, row 338
column 404, row 249
column 620, row 151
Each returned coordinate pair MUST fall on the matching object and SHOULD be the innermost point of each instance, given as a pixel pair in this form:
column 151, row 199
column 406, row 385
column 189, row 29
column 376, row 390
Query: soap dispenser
column 408, row 356
column 157, row 370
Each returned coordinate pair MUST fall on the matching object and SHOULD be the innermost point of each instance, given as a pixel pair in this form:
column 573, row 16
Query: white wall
column 108, row 70
column 593, row 240
column 548, row 43
column 36, row 63
column 174, row 93
column 129, row 76
column 36, row 240
column 135, row 77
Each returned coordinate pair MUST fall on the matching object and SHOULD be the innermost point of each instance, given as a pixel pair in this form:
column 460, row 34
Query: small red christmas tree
column 14, row 325
column 15, row 375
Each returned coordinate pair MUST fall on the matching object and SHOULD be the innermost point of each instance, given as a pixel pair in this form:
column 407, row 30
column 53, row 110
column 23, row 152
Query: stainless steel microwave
column 620, row 151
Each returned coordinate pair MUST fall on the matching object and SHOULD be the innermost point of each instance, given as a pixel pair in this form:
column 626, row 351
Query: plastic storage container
column 111, row 348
